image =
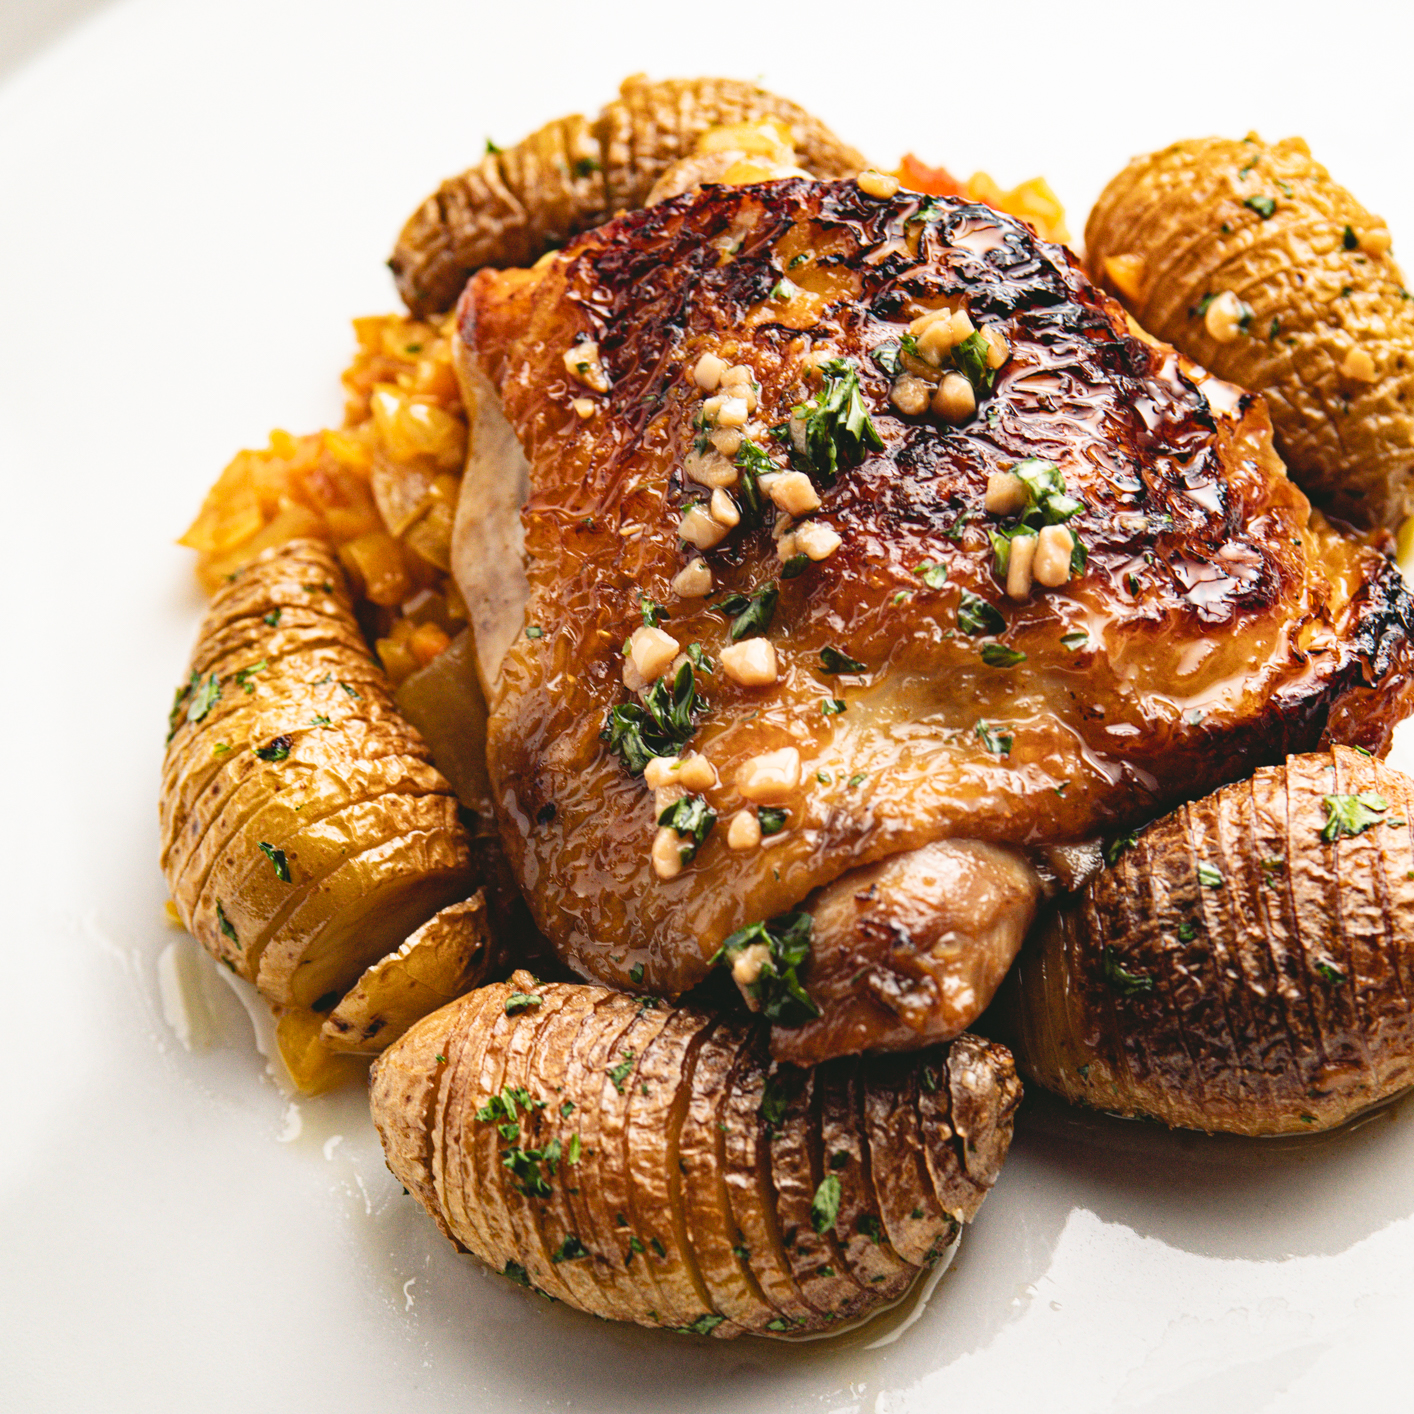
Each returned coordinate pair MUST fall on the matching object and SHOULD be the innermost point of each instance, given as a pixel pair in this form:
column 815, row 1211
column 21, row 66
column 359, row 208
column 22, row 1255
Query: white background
column 194, row 200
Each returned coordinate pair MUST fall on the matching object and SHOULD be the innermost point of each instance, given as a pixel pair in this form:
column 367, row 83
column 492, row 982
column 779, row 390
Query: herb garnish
column 825, row 1206
column 975, row 615
column 277, row 749
column 518, row 1002
column 1209, row 877
column 1351, row 815
column 832, row 706
column 635, row 975
column 750, row 613
column 1264, row 206
column 570, row 1250
column 838, row 428
column 998, row 655
column 619, row 1073
column 244, row 675
column 657, row 726
column 1126, row 983
column 998, row 743
column 777, row 988
column 653, row 614
column 772, row 818
column 277, row 859
column 272, row 619
column 933, row 573
column 225, row 924
column 693, row 819
column 832, row 661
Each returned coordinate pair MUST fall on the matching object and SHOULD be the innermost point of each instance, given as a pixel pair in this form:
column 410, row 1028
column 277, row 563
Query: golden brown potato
column 1245, row 966
column 649, row 1164
column 448, row 956
column 572, row 174
column 1248, row 258
column 306, row 832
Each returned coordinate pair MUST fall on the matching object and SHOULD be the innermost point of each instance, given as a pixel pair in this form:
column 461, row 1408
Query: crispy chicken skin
column 1222, row 626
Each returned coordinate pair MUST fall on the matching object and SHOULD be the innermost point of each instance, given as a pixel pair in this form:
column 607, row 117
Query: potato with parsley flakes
column 305, row 830
column 649, row 1163
column 1249, row 258
column 1244, row 965
column 575, row 173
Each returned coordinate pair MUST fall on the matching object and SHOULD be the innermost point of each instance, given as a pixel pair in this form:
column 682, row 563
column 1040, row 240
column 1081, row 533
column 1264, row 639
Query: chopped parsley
column 319, row 721
column 653, row 614
column 998, row 655
column 352, row 692
column 1121, row 980
column 780, row 1089
column 933, row 573
column 277, row 749
column 277, row 860
column 1349, row 239
column 221, row 748
column 699, row 659
column 1330, row 972
column 1074, row 640
column 703, row 1325
column 1264, row 206
column 1209, row 877
column 534, row 631
column 832, row 706
column 998, row 743
column 857, row 780
column 796, row 565
column 204, row 697
column 621, row 1072
column 570, row 1250
column 244, row 675
column 693, row 820
column 1116, row 847
column 635, row 975
column 272, row 619
column 517, row 1274
column 226, row 926
column 975, row 615
column 518, row 1002
column 750, row 613
column 870, row 1226
column 825, row 1206
column 772, row 818
column 886, row 356
column 777, row 988
column 838, row 429
column 1351, row 814
column 784, row 289
column 657, row 726
column 832, row 661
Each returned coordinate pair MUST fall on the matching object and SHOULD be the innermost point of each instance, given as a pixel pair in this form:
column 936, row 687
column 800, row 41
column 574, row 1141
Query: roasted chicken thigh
column 858, row 524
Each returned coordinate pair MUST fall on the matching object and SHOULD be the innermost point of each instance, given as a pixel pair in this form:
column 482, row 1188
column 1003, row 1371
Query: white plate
column 193, row 202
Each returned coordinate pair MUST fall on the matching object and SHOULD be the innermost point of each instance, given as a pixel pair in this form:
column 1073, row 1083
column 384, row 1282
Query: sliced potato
column 313, row 1066
column 572, row 174
column 449, row 955
column 1251, row 260
column 1245, row 966
column 305, row 831
column 649, row 1163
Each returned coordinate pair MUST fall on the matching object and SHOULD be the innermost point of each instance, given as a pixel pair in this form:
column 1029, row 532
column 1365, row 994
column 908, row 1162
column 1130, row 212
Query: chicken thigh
column 868, row 551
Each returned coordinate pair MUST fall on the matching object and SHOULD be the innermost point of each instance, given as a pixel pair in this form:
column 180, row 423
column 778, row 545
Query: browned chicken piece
column 858, row 522
column 574, row 173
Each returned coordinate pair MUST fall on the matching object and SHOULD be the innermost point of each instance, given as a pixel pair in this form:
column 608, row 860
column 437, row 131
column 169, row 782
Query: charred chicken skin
column 984, row 571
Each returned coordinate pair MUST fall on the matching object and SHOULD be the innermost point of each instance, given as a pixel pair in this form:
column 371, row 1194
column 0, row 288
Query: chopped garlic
column 770, row 779
column 878, row 184
column 1018, row 573
column 744, row 832
column 699, row 529
column 694, row 580
column 1358, row 366
column 707, row 373
column 667, row 853
column 582, row 363
column 1006, row 494
column 752, row 663
column 818, row 540
column 652, row 651
column 723, row 509
column 747, row 965
column 585, row 407
column 709, row 469
column 1051, row 565
column 793, row 492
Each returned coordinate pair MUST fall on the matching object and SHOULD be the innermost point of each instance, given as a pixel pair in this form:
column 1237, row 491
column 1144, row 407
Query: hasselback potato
column 649, row 1163
column 305, row 830
column 1245, row 965
column 575, row 173
column 1251, row 260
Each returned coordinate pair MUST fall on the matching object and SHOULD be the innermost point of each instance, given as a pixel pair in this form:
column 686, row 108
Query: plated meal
column 779, row 646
